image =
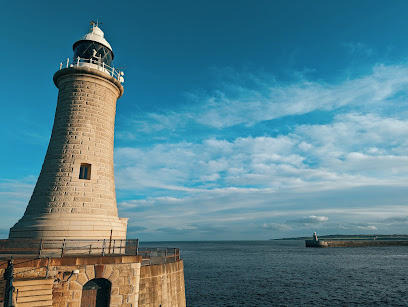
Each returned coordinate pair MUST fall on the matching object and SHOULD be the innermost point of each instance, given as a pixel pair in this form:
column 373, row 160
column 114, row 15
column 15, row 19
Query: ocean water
column 285, row 273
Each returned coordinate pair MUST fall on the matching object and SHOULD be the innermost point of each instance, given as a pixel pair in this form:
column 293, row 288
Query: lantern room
column 94, row 47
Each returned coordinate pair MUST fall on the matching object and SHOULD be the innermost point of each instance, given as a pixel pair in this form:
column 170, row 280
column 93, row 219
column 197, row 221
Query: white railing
column 94, row 63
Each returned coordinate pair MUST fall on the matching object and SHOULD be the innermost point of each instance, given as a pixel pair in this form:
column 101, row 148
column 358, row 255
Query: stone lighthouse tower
column 74, row 197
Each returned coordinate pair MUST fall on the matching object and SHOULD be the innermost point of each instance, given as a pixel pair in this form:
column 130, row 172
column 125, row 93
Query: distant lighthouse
column 74, row 197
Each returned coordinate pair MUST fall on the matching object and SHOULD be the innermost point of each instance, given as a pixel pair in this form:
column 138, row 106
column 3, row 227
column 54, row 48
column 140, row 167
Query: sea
column 286, row 273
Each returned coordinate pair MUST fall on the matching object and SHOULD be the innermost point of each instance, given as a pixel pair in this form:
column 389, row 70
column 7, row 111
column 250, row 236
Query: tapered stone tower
column 74, row 197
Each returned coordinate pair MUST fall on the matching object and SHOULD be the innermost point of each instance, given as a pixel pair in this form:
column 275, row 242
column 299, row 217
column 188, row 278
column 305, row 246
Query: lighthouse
column 74, row 197
column 70, row 246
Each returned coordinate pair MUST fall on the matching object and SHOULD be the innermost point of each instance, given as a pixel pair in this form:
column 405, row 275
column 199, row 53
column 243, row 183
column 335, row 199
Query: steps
column 33, row 292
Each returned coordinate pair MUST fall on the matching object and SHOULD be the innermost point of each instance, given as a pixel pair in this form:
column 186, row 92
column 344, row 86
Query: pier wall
column 313, row 243
column 365, row 243
column 162, row 285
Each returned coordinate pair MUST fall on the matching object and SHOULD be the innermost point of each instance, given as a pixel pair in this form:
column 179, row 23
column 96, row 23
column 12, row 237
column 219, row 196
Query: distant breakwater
column 355, row 243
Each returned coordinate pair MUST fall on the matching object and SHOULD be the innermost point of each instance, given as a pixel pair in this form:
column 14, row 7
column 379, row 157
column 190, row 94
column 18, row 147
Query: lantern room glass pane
column 93, row 50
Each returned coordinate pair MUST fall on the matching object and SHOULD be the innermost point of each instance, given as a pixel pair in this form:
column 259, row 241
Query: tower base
column 71, row 281
column 66, row 226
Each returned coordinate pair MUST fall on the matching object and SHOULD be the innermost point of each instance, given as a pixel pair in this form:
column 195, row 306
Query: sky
column 241, row 120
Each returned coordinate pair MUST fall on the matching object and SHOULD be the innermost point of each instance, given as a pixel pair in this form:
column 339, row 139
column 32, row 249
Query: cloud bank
column 264, row 159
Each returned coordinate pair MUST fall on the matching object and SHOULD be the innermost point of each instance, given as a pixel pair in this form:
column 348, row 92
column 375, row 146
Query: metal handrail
column 159, row 255
column 8, row 276
column 57, row 248
column 95, row 63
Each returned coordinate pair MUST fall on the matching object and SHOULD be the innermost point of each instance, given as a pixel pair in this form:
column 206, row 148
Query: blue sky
column 240, row 119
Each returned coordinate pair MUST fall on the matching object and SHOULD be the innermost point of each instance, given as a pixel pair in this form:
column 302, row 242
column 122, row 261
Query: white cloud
column 277, row 226
column 235, row 104
column 335, row 174
column 353, row 150
column 311, row 219
column 367, row 227
column 317, row 219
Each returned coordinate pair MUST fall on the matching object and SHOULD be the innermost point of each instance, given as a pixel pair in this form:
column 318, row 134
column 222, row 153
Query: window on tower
column 85, row 171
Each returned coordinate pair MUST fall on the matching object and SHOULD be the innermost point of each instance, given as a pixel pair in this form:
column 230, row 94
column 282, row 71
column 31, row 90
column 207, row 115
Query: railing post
column 110, row 241
column 48, row 266
column 41, row 247
column 90, row 248
column 137, row 247
column 113, row 249
column 67, row 62
column 62, row 249
column 78, row 61
column 8, row 275
column 103, row 248
column 165, row 256
column 61, row 65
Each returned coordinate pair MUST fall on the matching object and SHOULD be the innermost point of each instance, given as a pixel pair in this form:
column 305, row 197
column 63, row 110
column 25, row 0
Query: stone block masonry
column 64, row 205
column 132, row 285
column 162, row 285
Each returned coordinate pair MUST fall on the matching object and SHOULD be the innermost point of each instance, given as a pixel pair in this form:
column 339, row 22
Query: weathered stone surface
column 82, row 278
column 125, row 289
column 162, row 285
column 74, row 285
column 90, row 271
column 107, row 271
column 116, row 300
column 114, row 275
column 115, row 291
column 76, row 295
